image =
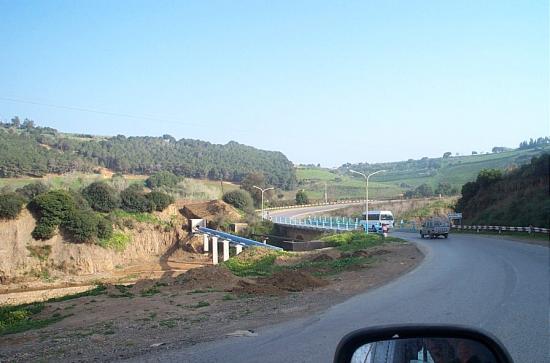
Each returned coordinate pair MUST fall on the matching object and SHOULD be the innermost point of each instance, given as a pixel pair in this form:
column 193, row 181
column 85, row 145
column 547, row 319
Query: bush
column 101, row 196
column 82, row 225
column 162, row 179
column 54, row 206
column 104, row 228
column 159, row 200
column 30, row 191
column 132, row 199
column 301, row 197
column 44, row 230
column 11, row 205
column 240, row 199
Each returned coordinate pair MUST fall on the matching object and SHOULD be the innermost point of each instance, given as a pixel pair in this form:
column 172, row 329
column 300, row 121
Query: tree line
column 33, row 150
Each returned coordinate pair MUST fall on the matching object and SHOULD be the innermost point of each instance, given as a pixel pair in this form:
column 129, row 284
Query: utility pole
column 326, row 195
column 366, row 193
column 263, row 190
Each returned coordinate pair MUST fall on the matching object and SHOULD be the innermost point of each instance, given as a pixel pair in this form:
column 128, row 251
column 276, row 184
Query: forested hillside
column 520, row 197
column 35, row 151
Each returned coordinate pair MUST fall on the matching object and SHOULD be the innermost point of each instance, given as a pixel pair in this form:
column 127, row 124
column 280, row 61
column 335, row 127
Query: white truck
column 435, row 227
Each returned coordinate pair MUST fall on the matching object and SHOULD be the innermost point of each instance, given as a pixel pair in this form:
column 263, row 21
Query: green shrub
column 301, row 197
column 159, row 200
column 118, row 241
column 240, row 199
column 53, row 206
column 44, row 230
column 30, row 191
column 101, row 196
column 162, row 179
column 133, row 199
column 11, row 205
column 104, row 228
column 82, row 225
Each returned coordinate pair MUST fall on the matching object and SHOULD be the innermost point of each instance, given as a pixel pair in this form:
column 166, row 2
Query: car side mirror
column 420, row 343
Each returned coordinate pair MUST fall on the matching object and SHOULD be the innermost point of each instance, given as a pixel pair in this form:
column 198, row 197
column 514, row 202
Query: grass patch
column 228, row 297
column 98, row 290
column 153, row 290
column 323, row 268
column 253, row 265
column 139, row 217
column 200, row 304
column 168, row 323
column 355, row 241
column 16, row 319
column 118, row 241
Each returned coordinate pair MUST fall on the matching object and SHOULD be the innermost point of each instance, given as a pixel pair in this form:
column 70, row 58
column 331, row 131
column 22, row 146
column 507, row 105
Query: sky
column 324, row 82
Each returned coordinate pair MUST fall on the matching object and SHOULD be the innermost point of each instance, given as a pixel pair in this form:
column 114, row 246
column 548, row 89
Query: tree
column 239, row 199
column 488, row 176
column 301, row 197
column 52, row 208
column 474, row 152
column 424, row 190
column 133, row 199
column 82, row 225
column 30, row 191
column 447, row 154
column 443, row 188
column 162, row 179
column 11, row 205
column 101, row 196
column 255, row 179
column 160, row 200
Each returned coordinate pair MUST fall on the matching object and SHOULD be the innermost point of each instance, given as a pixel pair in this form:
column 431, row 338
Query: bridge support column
column 205, row 242
column 238, row 249
column 214, row 250
column 225, row 250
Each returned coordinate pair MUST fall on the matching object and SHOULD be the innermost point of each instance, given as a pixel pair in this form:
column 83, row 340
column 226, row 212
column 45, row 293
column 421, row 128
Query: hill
column 29, row 150
column 517, row 198
column 403, row 176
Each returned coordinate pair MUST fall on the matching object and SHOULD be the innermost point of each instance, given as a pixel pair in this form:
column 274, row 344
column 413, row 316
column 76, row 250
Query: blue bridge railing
column 324, row 223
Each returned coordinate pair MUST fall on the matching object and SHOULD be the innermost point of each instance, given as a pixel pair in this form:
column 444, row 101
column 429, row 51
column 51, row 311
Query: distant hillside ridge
column 518, row 198
column 30, row 150
column 454, row 170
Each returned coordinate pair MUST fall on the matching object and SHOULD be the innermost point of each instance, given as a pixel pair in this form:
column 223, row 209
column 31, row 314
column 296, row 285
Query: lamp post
column 263, row 190
column 366, row 193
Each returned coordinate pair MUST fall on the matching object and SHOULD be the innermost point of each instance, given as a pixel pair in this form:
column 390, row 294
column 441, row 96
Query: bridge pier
column 238, row 249
column 214, row 250
column 205, row 242
column 225, row 250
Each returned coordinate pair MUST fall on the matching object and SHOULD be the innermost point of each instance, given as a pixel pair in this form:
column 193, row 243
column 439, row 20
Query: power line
column 89, row 110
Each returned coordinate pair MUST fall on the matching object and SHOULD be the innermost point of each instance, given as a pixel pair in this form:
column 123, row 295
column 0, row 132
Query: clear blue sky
column 324, row 82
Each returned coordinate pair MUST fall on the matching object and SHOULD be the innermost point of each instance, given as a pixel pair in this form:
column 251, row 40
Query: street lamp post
column 263, row 190
column 366, row 193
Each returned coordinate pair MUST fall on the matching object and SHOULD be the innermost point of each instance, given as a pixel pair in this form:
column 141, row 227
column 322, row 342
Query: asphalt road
column 498, row 285
column 302, row 212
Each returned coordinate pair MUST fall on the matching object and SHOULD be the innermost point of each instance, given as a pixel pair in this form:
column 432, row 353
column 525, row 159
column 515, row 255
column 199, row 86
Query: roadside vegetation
column 518, row 197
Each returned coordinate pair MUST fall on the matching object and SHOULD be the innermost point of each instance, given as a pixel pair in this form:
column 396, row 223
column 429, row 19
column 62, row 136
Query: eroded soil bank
column 201, row 305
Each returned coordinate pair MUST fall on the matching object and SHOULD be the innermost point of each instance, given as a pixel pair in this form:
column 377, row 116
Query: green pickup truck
column 435, row 227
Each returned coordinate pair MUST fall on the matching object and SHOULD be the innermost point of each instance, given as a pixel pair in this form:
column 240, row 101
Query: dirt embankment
column 26, row 263
column 200, row 305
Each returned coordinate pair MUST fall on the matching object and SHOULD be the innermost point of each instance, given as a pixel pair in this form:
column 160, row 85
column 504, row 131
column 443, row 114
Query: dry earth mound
column 210, row 210
column 208, row 277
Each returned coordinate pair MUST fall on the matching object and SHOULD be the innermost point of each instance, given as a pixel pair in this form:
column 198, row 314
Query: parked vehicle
column 435, row 227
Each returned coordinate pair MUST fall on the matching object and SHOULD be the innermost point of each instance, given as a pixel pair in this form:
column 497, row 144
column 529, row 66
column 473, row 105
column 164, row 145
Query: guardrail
column 313, row 205
column 320, row 223
column 503, row 229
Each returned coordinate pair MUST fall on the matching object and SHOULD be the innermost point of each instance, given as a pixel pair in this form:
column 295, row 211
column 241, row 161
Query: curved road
column 498, row 285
